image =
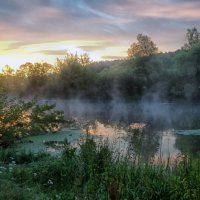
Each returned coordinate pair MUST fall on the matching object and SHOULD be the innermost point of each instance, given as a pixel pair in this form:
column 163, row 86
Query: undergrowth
column 94, row 172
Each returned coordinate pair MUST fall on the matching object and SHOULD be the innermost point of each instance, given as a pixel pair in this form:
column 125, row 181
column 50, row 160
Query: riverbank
column 96, row 172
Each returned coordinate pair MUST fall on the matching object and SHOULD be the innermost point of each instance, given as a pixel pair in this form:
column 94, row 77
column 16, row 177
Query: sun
column 50, row 51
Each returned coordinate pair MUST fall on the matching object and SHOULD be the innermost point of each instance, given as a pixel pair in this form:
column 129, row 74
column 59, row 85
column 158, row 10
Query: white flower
column 50, row 182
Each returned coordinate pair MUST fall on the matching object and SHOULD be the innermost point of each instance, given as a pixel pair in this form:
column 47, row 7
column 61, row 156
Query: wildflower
column 50, row 182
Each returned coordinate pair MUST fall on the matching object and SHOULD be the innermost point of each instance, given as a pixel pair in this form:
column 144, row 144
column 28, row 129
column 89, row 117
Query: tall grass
column 94, row 172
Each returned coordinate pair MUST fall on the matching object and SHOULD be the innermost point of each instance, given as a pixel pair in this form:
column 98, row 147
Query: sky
column 43, row 30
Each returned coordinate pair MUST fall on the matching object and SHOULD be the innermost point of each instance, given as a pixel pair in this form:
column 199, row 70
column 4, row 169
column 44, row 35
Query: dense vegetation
column 145, row 73
column 19, row 119
column 94, row 173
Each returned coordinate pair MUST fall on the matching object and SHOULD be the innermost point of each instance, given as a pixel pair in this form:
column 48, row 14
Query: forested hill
column 164, row 76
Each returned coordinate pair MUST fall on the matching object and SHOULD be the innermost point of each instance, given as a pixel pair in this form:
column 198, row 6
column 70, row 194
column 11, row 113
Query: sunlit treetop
column 144, row 47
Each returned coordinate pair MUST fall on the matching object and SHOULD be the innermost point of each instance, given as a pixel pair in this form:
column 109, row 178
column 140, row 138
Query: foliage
column 184, row 80
column 7, row 79
column 19, row 118
column 34, row 70
column 7, row 71
column 169, row 76
column 71, row 59
column 11, row 191
column 144, row 47
column 72, row 78
column 192, row 38
column 45, row 119
column 31, row 77
column 95, row 172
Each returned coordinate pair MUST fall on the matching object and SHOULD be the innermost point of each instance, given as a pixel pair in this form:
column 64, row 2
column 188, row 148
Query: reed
column 93, row 171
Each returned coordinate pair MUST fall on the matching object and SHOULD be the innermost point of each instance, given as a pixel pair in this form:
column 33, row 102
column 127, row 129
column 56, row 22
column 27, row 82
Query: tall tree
column 144, row 47
column 8, row 71
column 192, row 37
column 7, row 79
column 33, row 77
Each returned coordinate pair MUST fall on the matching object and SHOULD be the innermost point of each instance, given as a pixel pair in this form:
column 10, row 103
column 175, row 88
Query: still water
column 146, row 130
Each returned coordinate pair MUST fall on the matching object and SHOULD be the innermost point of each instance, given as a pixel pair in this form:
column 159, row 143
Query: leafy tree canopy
column 192, row 38
column 73, row 59
column 7, row 71
column 32, row 70
column 144, row 47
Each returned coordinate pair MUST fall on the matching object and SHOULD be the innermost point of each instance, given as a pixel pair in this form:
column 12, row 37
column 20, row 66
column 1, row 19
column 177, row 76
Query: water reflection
column 188, row 144
column 145, row 143
column 140, row 141
column 112, row 133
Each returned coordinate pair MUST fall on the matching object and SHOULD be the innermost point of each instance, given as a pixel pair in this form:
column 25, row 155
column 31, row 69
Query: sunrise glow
column 35, row 31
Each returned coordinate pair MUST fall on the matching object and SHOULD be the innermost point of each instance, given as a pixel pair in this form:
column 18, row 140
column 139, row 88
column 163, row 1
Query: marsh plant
column 94, row 172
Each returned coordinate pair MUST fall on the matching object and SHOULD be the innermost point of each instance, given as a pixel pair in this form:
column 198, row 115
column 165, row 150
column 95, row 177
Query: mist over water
column 177, row 115
column 171, row 128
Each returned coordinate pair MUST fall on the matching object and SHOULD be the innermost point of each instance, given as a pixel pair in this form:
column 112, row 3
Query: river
column 170, row 130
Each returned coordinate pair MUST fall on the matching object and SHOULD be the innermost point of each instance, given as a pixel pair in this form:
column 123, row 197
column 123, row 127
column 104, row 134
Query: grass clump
column 94, row 172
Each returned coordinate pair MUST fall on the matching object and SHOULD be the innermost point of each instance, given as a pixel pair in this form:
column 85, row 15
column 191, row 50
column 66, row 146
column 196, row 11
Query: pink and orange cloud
column 35, row 30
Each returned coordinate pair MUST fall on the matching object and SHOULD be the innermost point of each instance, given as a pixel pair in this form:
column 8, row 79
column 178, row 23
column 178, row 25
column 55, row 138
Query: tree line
column 146, row 72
